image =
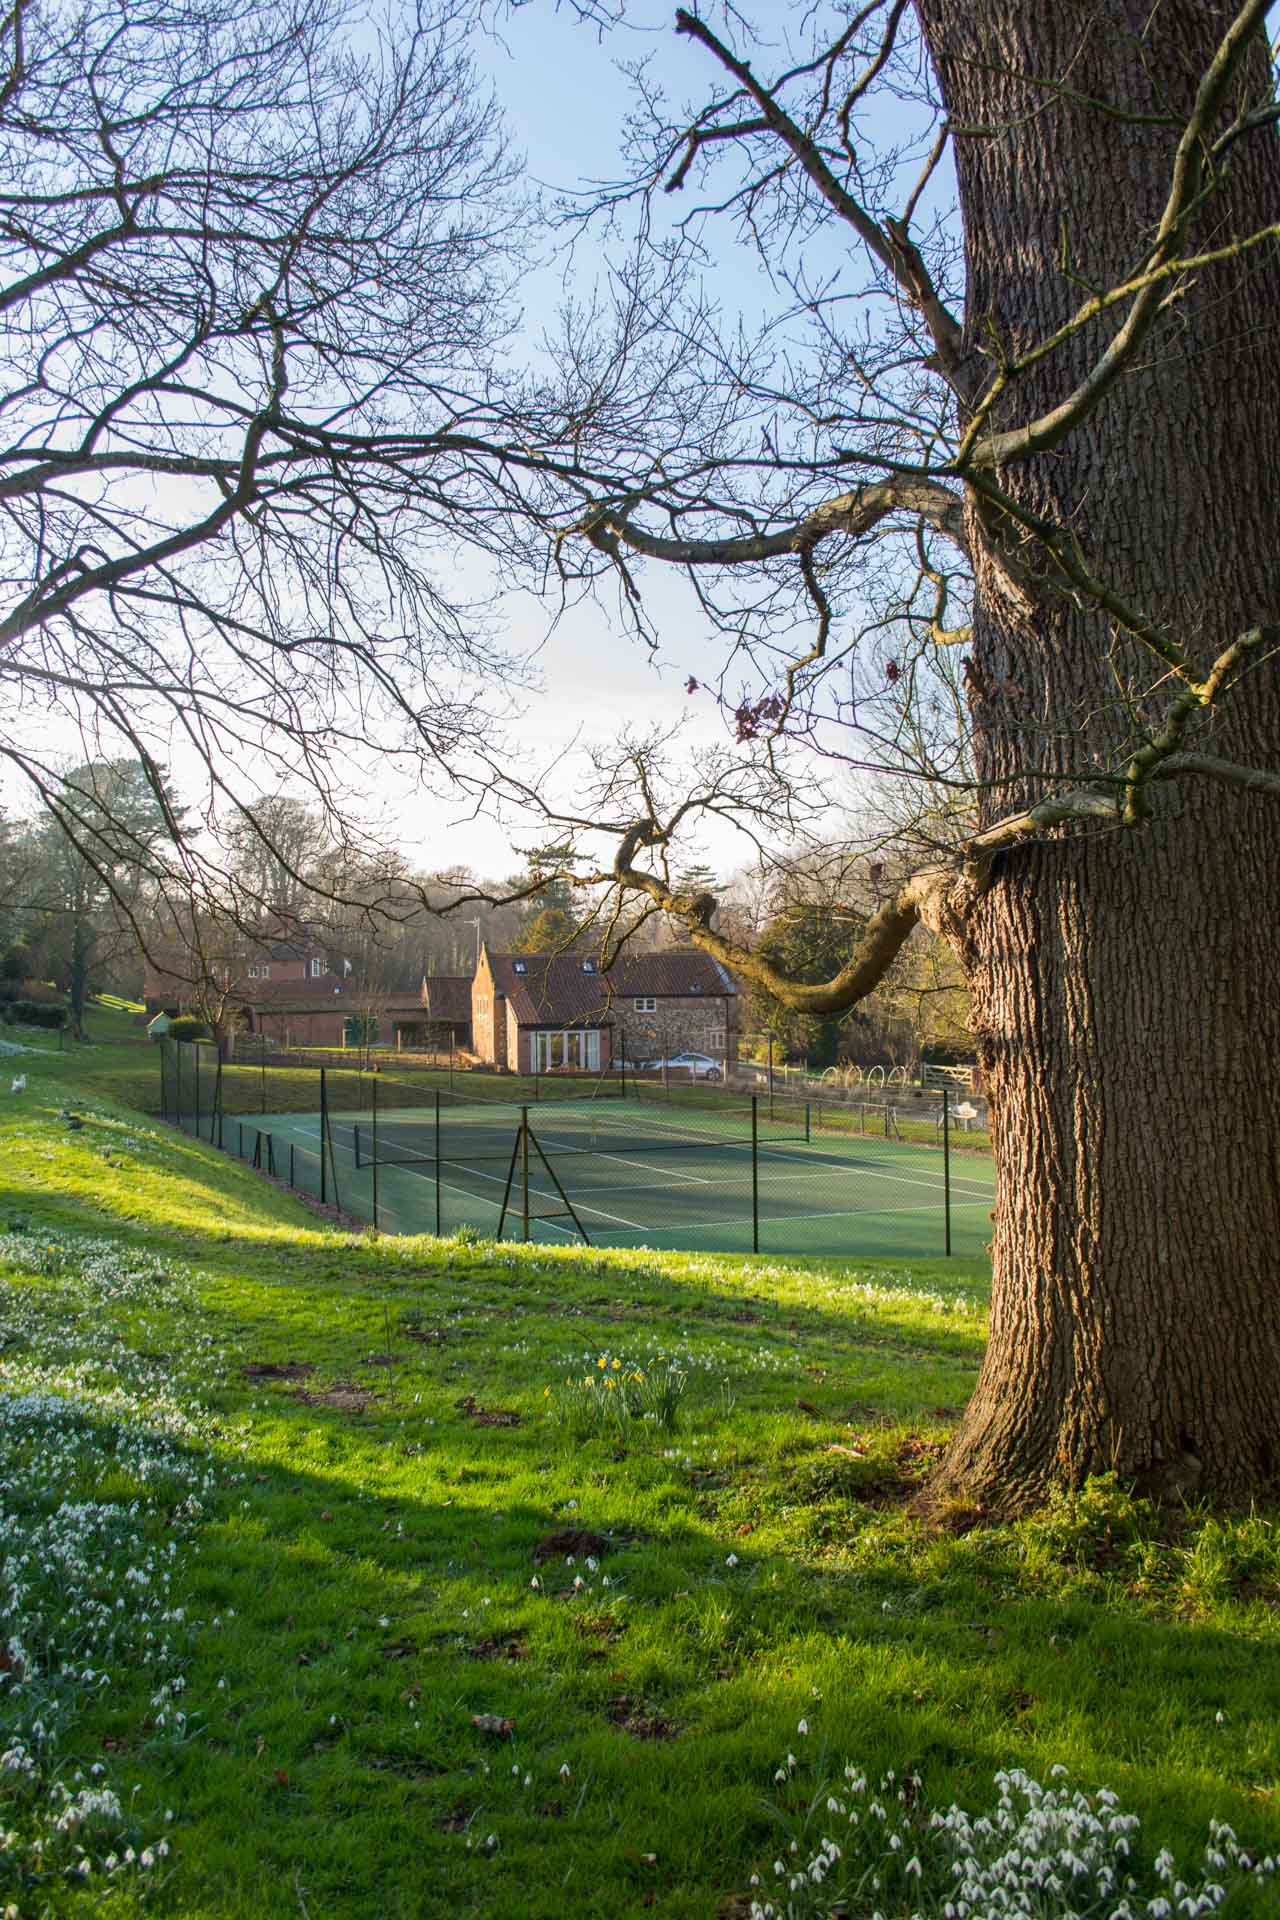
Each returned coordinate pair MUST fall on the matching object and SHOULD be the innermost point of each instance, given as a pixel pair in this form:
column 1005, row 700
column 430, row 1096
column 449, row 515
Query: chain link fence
column 596, row 1158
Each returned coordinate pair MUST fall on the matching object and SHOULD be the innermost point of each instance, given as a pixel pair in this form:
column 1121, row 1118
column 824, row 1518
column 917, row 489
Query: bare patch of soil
column 570, row 1540
column 605, row 1628
column 403, row 1767
column 343, row 1397
column 486, row 1416
column 277, row 1370
column 633, row 1717
column 500, row 1646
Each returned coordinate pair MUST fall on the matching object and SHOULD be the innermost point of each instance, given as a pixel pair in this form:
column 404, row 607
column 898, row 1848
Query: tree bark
column 1127, row 1016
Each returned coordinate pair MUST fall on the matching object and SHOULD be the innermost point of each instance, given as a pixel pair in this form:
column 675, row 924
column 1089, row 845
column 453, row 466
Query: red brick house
column 544, row 1013
column 292, row 987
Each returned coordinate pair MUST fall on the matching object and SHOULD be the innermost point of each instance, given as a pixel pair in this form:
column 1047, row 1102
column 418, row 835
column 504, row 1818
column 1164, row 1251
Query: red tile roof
column 555, row 989
column 301, row 996
column 447, row 997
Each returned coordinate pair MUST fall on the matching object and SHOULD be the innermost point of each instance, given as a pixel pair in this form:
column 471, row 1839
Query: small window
column 264, row 973
column 520, row 966
column 315, row 968
column 646, row 1003
column 588, row 966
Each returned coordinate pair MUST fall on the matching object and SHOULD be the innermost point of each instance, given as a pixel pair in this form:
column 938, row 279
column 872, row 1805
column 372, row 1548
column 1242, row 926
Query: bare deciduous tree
column 254, row 265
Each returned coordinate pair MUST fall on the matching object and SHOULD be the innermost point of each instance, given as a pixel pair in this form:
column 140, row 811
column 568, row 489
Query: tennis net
column 458, row 1133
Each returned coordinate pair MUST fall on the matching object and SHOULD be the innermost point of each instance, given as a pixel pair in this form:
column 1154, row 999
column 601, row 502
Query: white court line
column 797, row 1170
column 964, row 1193
column 543, row 1193
column 787, row 1219
column 500, row 1179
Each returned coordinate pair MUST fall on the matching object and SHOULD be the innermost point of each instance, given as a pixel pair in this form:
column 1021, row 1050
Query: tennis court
column 628, row 1176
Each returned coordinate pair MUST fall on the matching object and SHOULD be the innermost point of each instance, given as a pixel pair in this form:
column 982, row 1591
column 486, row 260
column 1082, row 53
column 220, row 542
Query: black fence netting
column 592, row 1158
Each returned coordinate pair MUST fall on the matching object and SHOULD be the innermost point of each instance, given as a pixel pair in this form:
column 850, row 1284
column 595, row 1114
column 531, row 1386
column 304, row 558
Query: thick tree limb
column 853, row 514
column 940, row 896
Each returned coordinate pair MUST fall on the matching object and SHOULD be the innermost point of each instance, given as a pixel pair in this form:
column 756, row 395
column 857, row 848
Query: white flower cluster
column 1044, row 1853
column 105, row 1473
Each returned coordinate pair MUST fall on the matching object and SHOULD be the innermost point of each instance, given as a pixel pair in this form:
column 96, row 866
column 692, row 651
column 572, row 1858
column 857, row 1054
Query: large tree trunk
column 1126, row 994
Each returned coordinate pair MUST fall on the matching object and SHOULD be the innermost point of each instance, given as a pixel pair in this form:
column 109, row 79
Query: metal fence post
column 195, row 1048
column 755, row 1173
column 374, row 1105
column 438, row 1144
column 946, row 1164
column 524, row 1173
column 324, row 1137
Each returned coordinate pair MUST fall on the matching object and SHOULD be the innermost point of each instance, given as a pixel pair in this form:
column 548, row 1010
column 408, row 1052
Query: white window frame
column 315, row 969
column 646, row 1003
column 574, row 1047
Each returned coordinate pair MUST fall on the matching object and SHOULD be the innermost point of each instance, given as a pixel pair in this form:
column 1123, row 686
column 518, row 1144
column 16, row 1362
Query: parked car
column 699, row 1066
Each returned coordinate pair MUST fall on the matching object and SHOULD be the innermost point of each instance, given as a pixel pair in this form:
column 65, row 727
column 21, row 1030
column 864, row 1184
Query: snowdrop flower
column 802, row 1727
column 536, row 1584
column 731, row 1560
column 564, row 1771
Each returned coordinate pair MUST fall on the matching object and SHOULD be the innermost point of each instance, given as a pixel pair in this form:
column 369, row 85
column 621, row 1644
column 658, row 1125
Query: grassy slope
column 379, row 1566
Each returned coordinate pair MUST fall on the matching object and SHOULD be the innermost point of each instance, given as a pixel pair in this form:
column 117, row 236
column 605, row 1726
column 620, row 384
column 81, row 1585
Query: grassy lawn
column 332, row 1588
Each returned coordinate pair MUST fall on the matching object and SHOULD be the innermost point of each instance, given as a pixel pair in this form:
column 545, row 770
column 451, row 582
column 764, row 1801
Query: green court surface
column 633, row 1178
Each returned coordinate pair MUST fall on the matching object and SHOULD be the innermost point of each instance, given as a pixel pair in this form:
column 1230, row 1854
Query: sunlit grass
column 406, row 1548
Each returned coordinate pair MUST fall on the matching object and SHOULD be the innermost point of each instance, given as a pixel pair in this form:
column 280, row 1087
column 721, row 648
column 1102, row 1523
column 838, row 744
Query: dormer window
column 520, row 966
column 588, row 966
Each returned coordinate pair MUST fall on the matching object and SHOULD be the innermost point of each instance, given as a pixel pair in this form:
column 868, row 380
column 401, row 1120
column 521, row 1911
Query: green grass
column 355, row 1574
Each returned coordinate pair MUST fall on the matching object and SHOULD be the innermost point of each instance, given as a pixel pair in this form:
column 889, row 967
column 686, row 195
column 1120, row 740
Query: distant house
column 291, row 987
column 543, row 1013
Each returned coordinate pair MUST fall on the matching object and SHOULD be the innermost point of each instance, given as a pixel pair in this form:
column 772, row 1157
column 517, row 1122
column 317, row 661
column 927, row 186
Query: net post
column 946, row 1165
column 755, row 1173
column 524, row 1173
column 327, row 1141
column 373, row 1102
column 438, row 1140
column 324, row 1136
column 240, row 1139
column 355, row 1131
